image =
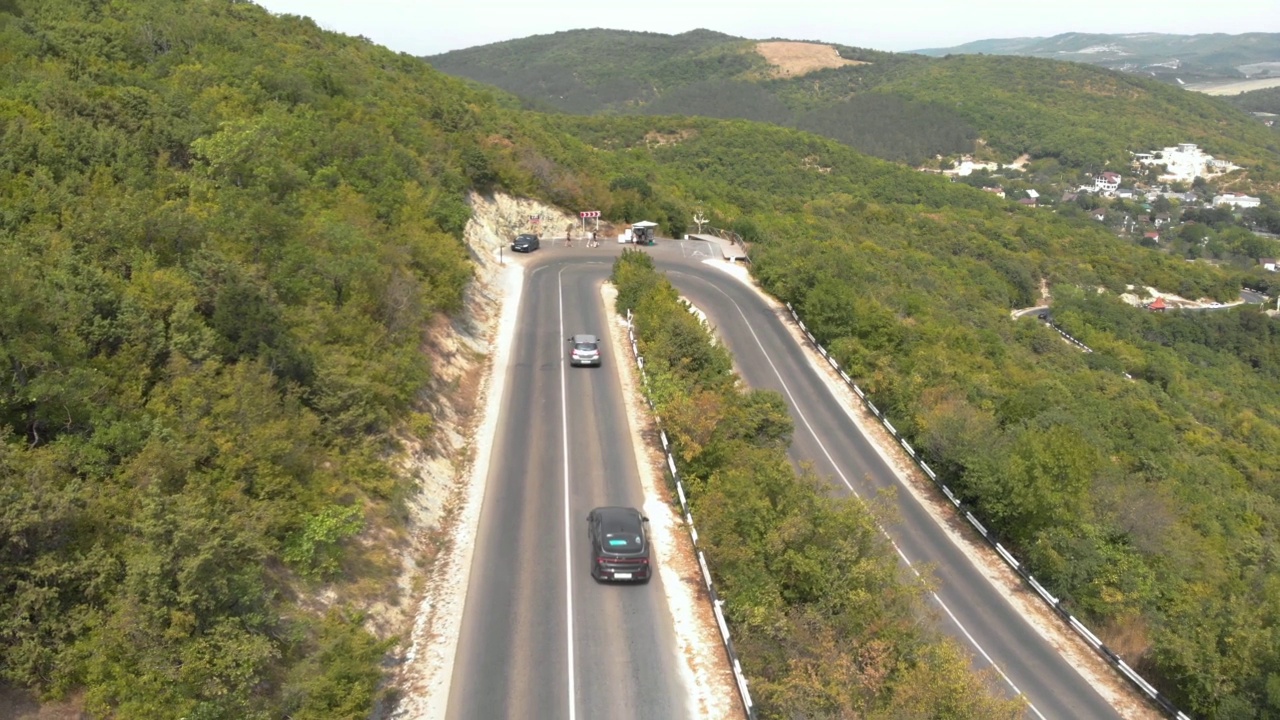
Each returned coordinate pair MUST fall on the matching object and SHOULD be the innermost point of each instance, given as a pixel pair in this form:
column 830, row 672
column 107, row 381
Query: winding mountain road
column 541, row 639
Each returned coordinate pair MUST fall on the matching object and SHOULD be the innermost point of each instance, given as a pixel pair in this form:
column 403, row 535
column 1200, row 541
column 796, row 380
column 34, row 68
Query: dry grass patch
column 793, row 59
column 653, row 138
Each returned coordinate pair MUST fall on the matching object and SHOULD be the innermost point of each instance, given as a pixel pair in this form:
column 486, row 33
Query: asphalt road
column 968, row 606
column 530, row 601
column 539, row 637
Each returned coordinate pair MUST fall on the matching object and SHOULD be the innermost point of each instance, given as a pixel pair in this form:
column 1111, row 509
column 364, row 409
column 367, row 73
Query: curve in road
column 514, row 655
column 977, row 613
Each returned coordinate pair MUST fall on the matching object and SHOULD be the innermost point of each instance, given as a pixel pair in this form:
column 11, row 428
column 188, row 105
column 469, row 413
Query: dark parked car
column 584, row 350
column 526, row 243
column 619, row 544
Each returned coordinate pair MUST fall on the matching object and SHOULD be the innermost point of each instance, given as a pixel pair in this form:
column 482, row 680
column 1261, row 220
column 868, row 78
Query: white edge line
column 439, row 678
column 568, row 553
column 849, row 485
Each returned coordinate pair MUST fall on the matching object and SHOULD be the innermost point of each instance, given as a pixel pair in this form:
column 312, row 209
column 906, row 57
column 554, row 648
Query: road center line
column 845, row 480
column 568, row 553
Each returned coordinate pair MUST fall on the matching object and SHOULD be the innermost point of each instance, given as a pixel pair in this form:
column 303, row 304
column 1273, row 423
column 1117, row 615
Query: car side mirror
column 644, row 519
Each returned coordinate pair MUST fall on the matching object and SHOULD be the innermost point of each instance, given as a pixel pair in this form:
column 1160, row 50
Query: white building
column 1239, row 200
column 1106, row 182
column 1185, row 161
column 967, row 166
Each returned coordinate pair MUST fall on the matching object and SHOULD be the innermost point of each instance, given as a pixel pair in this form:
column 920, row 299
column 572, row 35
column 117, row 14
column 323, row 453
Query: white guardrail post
column 731, row 652
column 1119, row 664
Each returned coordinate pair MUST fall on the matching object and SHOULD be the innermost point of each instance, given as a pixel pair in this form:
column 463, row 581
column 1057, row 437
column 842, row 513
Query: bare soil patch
column 793, row 59
column 19, row 704
column 653, row 138
column 1233, row 87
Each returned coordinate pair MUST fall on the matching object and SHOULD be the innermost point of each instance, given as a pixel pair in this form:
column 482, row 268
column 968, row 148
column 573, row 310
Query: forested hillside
column 223, row 234
column 1172, row 58
column 1267, row 101
column 899, row 107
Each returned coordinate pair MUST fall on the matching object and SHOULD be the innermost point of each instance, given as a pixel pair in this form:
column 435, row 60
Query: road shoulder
column 703, row 663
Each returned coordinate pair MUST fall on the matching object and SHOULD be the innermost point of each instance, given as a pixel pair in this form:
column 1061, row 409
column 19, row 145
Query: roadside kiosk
column 643, row 232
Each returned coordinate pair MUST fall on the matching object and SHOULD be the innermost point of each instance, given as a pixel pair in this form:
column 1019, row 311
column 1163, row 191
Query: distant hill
column 1189, row 58
column 902, row 107
column 1258, row 101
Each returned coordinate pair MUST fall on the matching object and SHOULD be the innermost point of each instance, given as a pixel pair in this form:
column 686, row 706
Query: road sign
column 589, row 214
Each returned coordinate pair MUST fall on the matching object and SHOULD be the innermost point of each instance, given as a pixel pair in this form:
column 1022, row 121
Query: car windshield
column 622, row 542
column 584, row 346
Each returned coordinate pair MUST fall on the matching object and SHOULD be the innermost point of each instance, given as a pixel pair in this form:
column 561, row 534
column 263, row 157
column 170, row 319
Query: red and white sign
column 535, row 219
column 589, row 214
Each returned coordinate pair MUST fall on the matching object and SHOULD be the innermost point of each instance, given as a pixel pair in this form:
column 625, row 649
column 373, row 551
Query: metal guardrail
column 732, row 237
column 716, row 602
column 1056, row 604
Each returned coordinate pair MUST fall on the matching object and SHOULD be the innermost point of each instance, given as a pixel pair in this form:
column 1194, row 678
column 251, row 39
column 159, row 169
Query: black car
column 584, row 350
column 526, row 243
column 619, row 544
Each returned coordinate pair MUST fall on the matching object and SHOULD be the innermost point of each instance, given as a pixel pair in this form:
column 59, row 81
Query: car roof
column 587, row 339
column 526, row 236
column 618, row 518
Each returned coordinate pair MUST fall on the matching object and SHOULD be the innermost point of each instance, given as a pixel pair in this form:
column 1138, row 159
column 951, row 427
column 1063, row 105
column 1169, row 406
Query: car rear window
column 584, row 346
column 622, row 542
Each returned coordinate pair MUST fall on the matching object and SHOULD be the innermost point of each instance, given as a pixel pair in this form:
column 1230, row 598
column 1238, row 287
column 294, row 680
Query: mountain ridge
column 897, row 106
column 1167, row 56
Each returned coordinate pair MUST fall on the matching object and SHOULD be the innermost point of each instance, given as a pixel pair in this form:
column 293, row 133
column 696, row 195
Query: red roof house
column 1158, row 305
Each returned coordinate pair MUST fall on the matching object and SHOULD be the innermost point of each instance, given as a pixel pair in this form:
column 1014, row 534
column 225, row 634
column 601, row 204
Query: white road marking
column 568, row 555
column 849, row 485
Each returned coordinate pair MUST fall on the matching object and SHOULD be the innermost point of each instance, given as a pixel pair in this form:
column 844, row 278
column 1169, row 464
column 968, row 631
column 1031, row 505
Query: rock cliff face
column 497, row 219
column 444, row 509
column 459, row 350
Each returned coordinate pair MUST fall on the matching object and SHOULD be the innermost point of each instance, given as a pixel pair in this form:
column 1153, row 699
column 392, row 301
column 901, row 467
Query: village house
column 1268, row 264
column 1152, row 236
column 1184, row 161
column 1239, row 200
column 997, row 191
column 1107, row 182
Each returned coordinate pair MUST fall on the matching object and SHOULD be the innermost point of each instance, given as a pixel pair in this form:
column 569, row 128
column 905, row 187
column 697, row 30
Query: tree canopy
column 223, row 233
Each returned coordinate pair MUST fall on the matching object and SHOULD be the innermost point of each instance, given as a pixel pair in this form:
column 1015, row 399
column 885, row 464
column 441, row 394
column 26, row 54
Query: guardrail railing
column 1163, row 702
column 716, row 602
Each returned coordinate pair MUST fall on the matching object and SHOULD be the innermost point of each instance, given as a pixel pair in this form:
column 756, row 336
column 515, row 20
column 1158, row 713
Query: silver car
column 584, row 350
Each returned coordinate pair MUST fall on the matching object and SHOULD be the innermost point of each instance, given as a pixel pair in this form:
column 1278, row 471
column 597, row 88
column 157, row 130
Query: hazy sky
column 434, row 26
